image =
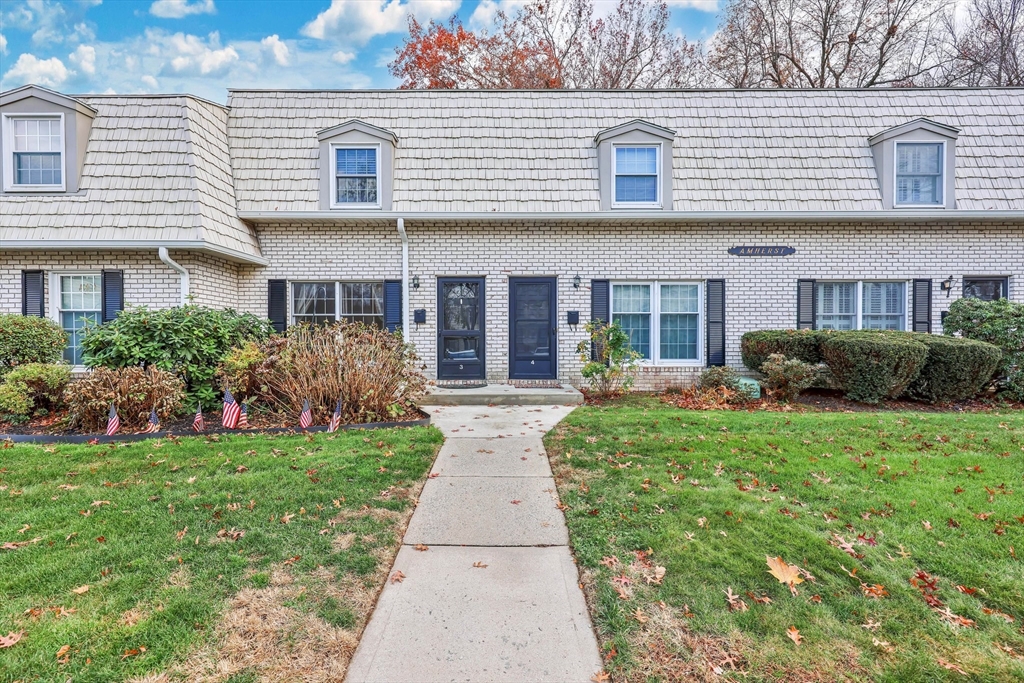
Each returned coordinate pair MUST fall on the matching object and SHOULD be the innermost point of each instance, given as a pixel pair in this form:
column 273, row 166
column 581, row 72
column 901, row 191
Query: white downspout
column 169, row 262
column 406, row 328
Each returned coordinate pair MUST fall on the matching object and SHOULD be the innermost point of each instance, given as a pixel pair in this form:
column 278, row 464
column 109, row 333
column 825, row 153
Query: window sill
column 363, row 207
column 648, row 365
column 918, row 206
column 637, row 206
column 17, row 189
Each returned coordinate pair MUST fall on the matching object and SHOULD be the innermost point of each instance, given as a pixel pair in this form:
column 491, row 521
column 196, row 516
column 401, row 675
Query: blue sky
column 206, row 46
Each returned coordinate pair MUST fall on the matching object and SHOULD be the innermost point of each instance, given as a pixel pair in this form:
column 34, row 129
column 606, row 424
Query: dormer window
column 636, row 175
column 357, row 160
column 915, row 163
column 919, row 173
column 36, row 158
column 358, row 178
column 635, row 166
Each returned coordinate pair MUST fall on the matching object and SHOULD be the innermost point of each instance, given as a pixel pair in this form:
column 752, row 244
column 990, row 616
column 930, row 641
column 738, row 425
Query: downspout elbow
column 165, row 257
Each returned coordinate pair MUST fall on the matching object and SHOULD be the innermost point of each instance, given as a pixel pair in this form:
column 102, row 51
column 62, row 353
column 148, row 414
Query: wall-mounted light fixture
column 947, row 285
column 576, row 282
column 415, row 281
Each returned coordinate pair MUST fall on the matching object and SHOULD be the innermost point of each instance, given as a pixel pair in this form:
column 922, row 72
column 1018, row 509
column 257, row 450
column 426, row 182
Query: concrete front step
column 502, row 395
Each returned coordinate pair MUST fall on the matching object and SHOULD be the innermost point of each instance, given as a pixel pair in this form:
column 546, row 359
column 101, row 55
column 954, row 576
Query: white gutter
column 634, row 215
column 405, row 279
column 124, row 245
column 166, row 258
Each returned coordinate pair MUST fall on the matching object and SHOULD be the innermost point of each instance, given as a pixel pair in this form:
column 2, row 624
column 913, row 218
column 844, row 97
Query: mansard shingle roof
column 155, row 169
column 740, row 150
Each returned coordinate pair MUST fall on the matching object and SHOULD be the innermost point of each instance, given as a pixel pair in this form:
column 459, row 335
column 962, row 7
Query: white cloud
column 176, row 9
column 51, row 22
column 360, row 20
column 3, row 44
column 277, row 49
column 150, row 82
column 190, row 55
column 483, row 15
column 342, row 57
column 84, row 57
column 30, row 69
column 702, row 5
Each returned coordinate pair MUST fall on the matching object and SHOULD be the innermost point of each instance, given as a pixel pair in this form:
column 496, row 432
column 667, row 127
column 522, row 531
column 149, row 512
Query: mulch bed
column 53, row 425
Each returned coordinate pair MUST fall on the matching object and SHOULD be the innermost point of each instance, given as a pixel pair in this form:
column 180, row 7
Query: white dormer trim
column 47, row 95
column 357, row 125
column 7, row 125
column 635, row 125
column 356, row 134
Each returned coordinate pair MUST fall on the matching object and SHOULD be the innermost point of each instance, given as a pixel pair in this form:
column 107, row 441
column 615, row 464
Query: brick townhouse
column 492, row 225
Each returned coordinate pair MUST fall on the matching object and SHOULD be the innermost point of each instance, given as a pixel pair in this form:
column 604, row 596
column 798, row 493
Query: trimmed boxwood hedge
column 870, row 366
column 805, row 345
column 28, row 339
column 955, row 369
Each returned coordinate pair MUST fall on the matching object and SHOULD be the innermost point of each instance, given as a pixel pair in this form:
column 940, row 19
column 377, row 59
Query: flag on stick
column 198, row 424
column 243, row 418
column 113, row 421
column 306, row 417
column 153, row 426
column 335, row 422
column 232, row 411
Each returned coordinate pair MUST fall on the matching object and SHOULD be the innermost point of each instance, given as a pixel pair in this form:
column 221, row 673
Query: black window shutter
column 277, row 304
column 113, row 294
column 32, row 293
column 600, row 305
column 716, row 322
column 392, row 304
column 922, row 306
column 806, row 293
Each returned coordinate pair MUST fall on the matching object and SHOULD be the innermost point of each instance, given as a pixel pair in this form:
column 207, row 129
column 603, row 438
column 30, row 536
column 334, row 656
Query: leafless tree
column 987, row 46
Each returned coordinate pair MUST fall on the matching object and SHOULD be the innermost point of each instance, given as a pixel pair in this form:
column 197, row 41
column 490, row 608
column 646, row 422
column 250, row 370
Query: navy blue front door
column 533, row 350
column 460, row 334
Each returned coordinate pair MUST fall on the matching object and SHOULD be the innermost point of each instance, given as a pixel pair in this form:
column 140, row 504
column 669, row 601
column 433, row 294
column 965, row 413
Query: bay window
column 662, row 319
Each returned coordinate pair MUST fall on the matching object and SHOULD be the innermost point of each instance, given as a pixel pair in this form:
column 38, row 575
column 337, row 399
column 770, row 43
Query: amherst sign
column 762, row 251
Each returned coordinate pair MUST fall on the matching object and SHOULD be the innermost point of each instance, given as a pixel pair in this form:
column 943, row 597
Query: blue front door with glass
column 460, row 335
column 532, row 334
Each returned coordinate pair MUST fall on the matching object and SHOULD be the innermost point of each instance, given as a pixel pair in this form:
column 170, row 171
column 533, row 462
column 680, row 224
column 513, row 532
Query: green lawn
column 711, row 494
column 154, row 529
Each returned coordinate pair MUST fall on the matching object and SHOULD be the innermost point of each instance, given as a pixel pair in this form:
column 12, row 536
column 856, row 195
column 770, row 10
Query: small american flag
column 113, row 421
column 243, row 418
column 198, row 424
column 232, row 411
column 306, row 417
column 333, row 425
column 153, row 426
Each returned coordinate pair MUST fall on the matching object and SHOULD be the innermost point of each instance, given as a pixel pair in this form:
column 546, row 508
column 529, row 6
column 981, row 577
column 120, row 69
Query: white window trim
column 8, row 161
column 55, row 310
column 858, row 300
column 655, row 360
column 896, row 178
column 658, row 179
column 335, row 204
column 338, row 317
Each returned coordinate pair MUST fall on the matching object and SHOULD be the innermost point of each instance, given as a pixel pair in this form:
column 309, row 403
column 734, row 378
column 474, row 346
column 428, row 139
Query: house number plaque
column 762, row 251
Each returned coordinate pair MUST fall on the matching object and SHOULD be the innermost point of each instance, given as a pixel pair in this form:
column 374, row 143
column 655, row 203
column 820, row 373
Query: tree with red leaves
column 556, row 44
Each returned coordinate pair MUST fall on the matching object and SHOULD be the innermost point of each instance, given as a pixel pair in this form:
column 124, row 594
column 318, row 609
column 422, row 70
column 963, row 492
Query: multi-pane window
column 985, row 288
column 37, row 146
column 636, row 175
column 919, row 173
column 662, row 319
column 861, row 306
column 356, row 175
column 79, row 305
column 319, row 302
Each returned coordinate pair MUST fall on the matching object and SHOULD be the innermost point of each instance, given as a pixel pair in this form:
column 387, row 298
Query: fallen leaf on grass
column 10, row 639
column 736, row 603
column 14, row 545
column 966, row 590
column 434, row 475
column 761, row 600
column 794, row 634
column 600, row 676
column 480, row 565
column 63, row 651
column 788, row 574
column 950, row 666
column 1009, row 618
column 640, row 616
column 24, row 528
column 422, row 548
column 181, row 534
column 609, row 562
column 397, row 577
column 80, row 590
column 292, row 560
column 287, row 518
column 926, row 524
column 883, row 645
column 100, row 503
column 133, row 652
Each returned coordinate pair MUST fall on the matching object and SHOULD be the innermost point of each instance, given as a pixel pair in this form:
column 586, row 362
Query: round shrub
column 785, row 377
column 189, row 341
column 29, row 339
column 998, row 322
column 135, row 392
column 804, row 345
column 871, row 366
column 34, row 387
column 955, row 369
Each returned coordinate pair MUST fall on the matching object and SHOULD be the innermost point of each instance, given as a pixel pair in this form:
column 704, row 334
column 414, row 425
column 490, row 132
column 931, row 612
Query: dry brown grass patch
column 180, row 578
column 133, row 616
column 343, row 542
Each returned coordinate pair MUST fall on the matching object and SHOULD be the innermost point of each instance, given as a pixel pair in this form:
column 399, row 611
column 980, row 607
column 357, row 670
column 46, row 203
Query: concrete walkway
column 519, row 614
